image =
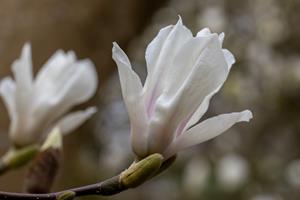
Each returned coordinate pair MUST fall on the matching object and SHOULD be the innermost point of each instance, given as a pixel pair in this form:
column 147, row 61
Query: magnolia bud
column 140, row 171
column 43, row 170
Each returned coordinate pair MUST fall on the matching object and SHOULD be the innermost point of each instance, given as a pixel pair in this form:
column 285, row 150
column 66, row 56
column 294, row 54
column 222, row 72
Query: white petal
column 182, row 67
column 201, row 110
column 206, row 130
column 229, row 58
column 132, row 93
column 184, row 63
column 75, row 119
column 155, row 46
column 204, row 105
column 22, row 70
column 55, row 66
column 209, row 71
column 61, row 84
column 160, row 54
column 221, row 37
column 204, row 32
column 7, row 92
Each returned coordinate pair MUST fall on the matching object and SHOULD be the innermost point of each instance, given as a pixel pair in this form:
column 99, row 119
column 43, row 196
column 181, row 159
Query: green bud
column 139, row 172
column 18, row 157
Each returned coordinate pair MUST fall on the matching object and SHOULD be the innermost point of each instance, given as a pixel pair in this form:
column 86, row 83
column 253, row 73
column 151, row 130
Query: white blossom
column 37, row 105
column 184, row 72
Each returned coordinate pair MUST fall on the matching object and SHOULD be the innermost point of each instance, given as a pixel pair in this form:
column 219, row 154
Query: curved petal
column 22, row 70
column 204, row 32
column 54, row 67
column 155, row 47
column 201, row 110
column 208, row 72
column 207, row 32
column 8, row 92
column 229, row 58
column 206, row 130
column 73, row 120
column 61, row 84
column 221, row 37
column 184, row 63
column 160, row 54
column 132, row 93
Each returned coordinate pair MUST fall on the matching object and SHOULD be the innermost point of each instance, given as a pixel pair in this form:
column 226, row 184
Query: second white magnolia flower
column 184, row 72
column 37, row 105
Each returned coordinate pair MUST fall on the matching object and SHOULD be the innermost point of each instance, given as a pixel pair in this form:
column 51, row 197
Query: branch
column 135, row 175
column 108, row 187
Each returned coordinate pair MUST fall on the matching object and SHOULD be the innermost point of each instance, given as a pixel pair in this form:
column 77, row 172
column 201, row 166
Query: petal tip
column 115, row 49
column 204, row 32
column 246, row 116
column 221, row 37
column 119, row 56
column 26, row 51
column 179, row 19
column 27, row 46
column 92, row 110
column 115, row 46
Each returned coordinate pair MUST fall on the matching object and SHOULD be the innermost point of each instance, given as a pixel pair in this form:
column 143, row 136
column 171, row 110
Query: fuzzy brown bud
column 42, row 172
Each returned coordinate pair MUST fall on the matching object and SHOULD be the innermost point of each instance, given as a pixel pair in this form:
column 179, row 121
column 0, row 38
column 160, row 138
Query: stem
column 15, row 158
column 108, row 187
column 135, row 175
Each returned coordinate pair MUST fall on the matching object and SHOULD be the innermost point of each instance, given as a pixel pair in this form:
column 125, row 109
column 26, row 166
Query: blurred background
column 255, row 161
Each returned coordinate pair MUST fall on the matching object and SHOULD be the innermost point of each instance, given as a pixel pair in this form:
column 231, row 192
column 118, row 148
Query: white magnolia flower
column 37, row 105
column 184, row 72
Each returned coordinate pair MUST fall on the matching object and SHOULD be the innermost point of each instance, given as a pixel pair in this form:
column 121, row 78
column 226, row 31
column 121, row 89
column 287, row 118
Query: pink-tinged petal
column 132, row 93
column 73, row 120
column 160, row 54
column 207, row 130
column 8, row 92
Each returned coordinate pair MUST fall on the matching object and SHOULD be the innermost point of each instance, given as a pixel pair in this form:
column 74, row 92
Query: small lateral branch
column 108, row 187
